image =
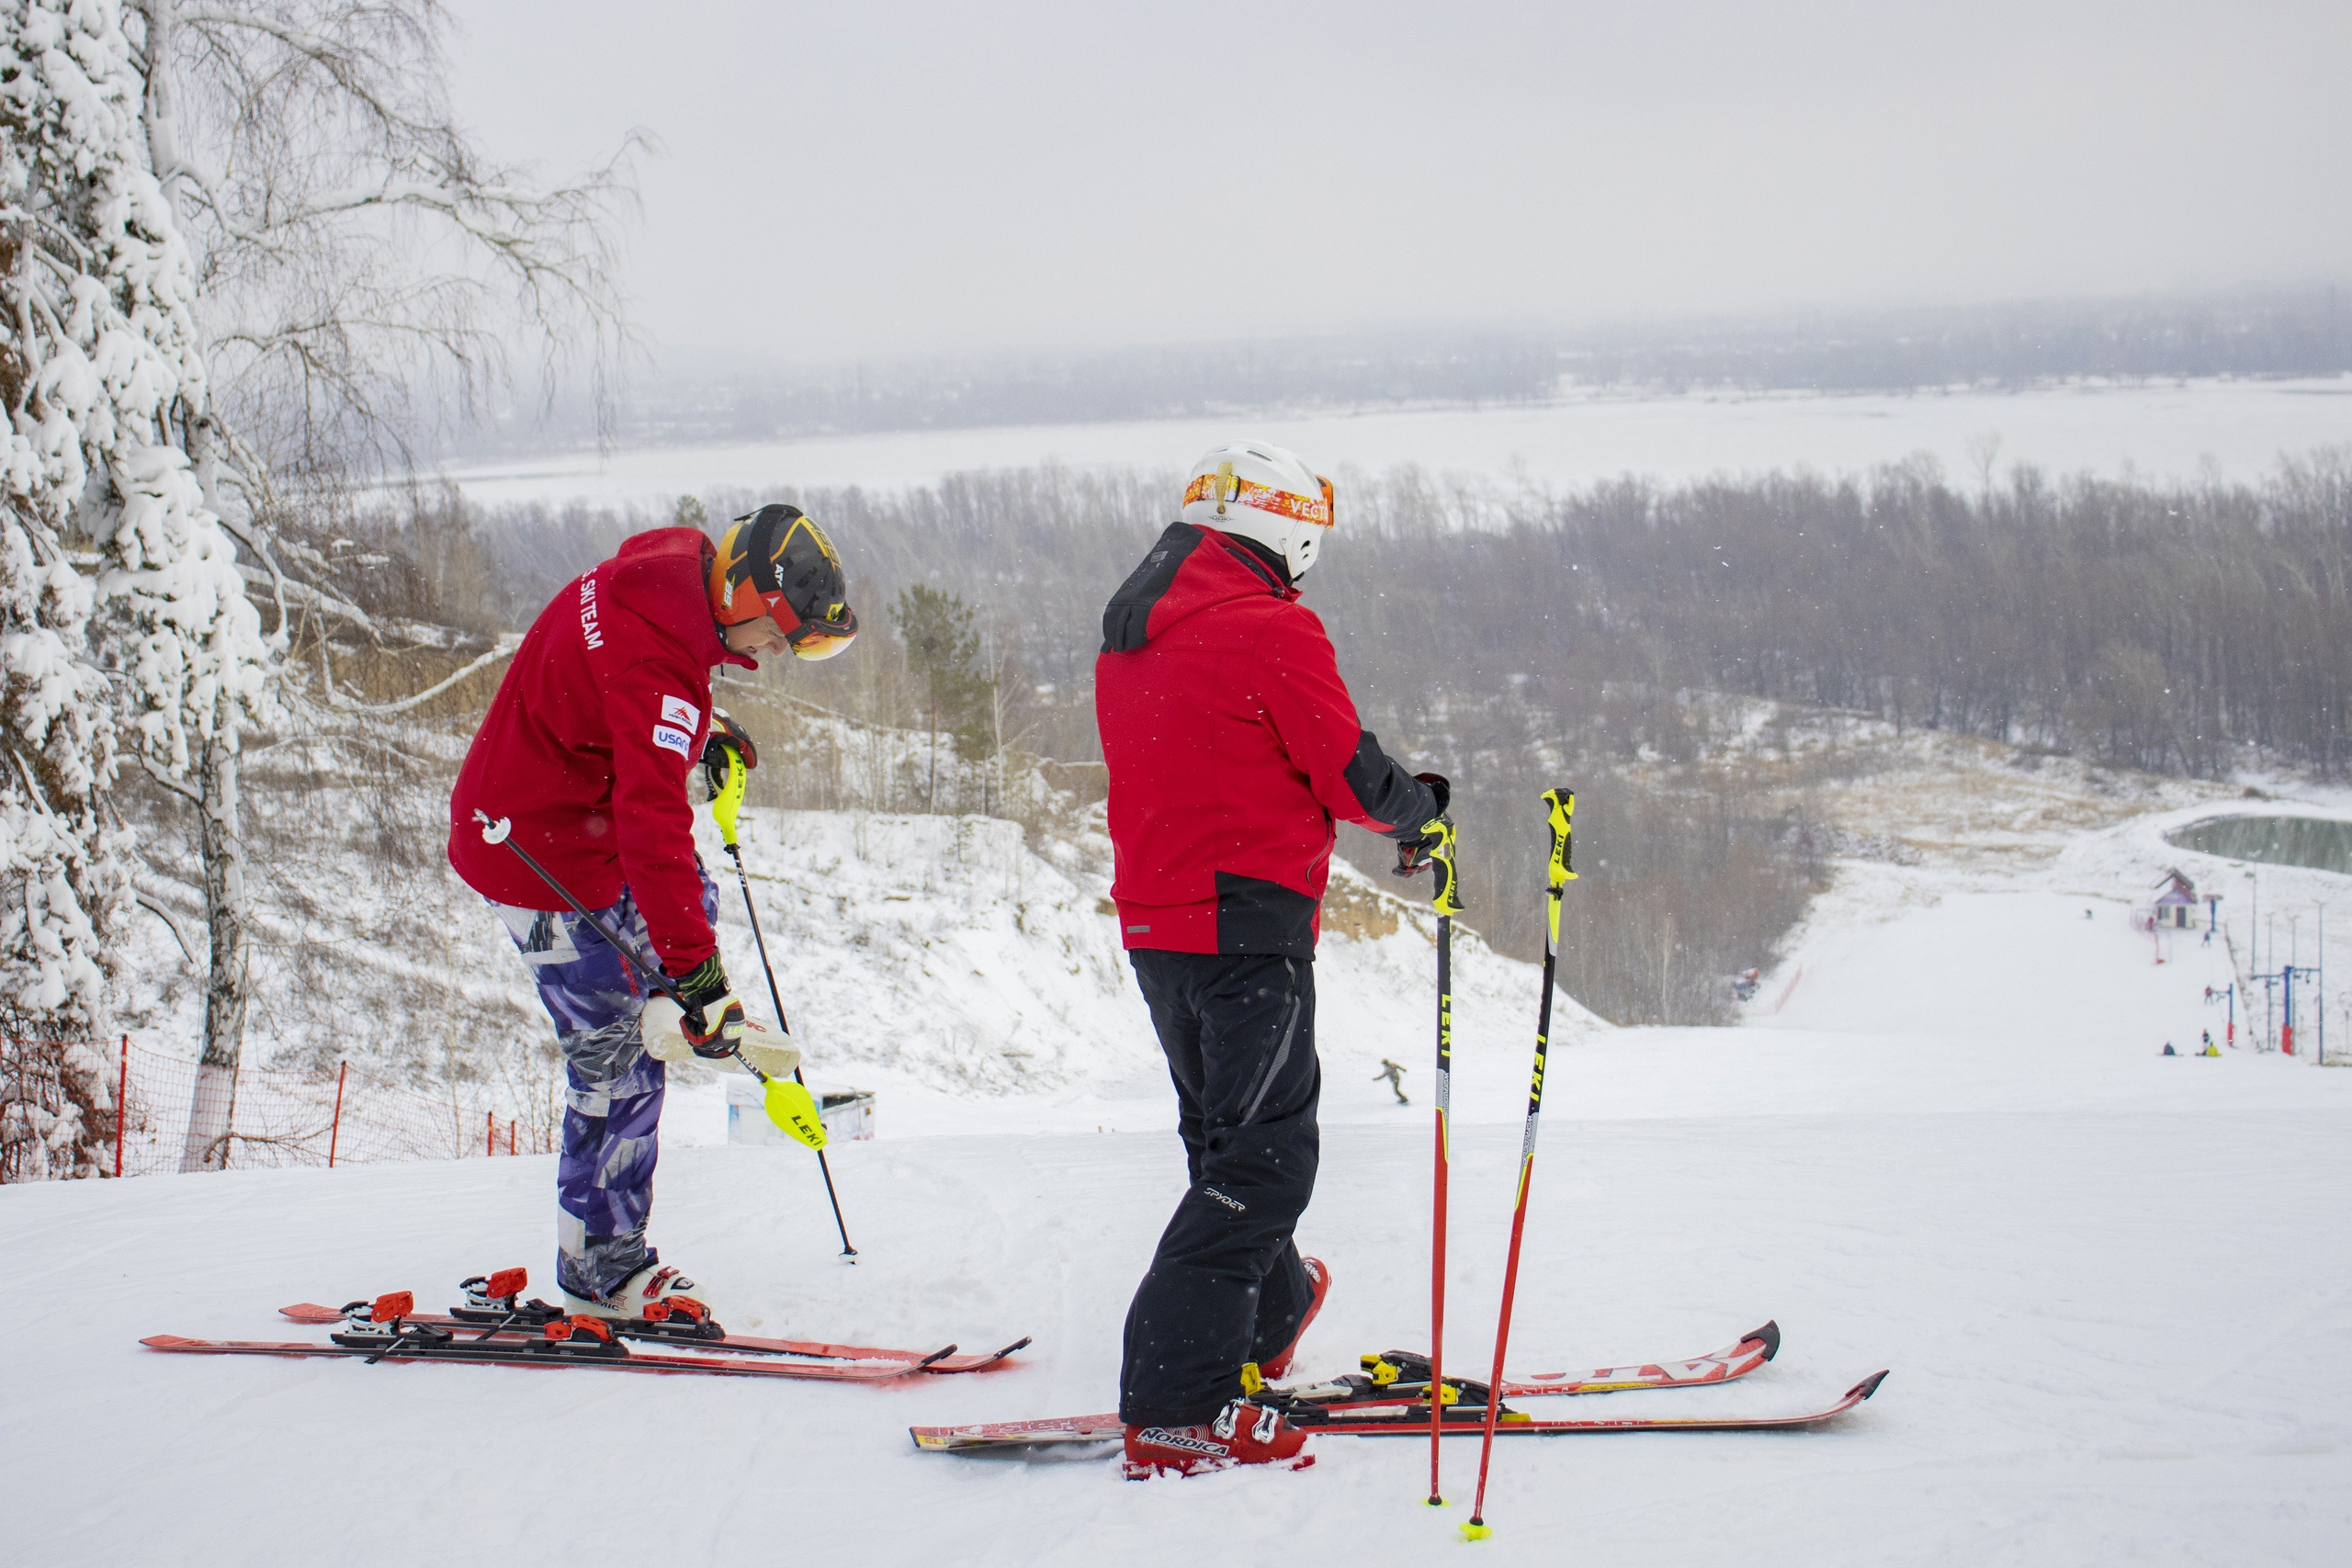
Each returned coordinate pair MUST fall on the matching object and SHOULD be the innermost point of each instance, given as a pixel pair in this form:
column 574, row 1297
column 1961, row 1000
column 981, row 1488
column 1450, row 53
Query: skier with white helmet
column 1233, row 746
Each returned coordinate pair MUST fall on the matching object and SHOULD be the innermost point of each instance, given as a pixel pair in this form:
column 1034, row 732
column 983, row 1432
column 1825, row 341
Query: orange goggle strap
column 1229, row 489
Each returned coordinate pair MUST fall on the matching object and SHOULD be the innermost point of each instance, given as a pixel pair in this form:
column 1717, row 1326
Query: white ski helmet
column 1264, row 492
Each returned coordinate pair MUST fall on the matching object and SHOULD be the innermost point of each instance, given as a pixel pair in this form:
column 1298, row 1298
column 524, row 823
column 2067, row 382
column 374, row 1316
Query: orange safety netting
column 58, row 1116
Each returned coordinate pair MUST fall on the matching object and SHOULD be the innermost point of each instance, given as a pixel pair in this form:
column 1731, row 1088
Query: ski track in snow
column 2110, row 1285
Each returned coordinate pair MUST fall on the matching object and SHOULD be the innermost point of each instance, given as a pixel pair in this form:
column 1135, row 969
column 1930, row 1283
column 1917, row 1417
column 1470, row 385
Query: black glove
column 713, row 1025
column 1413, row 852
column 726, row 734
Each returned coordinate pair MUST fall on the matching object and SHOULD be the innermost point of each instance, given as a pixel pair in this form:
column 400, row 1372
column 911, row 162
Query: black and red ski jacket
column 1232, row 744
column 591, row 739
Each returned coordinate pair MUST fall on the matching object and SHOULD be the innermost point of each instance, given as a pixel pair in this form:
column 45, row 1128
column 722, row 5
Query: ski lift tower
column 2284, row 978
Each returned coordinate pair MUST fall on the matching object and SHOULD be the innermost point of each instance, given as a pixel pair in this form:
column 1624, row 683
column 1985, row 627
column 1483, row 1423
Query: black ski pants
column 1227, row 1286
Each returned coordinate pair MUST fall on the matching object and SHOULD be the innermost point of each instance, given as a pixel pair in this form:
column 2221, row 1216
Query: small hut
column 2177, row 904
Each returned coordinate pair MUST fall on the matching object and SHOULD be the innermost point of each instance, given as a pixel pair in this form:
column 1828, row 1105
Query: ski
column 513, row 1352
column 529, row 1322
column 1459, row 1421
column 494, row 1305
column 1401, row 1377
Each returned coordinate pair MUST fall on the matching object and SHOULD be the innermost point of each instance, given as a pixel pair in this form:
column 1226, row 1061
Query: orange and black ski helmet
column 776, row 561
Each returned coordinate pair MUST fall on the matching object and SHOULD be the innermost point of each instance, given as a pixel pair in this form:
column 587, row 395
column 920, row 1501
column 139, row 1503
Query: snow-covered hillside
column 935, row 958
column 2109, row 1284
column 943, row 962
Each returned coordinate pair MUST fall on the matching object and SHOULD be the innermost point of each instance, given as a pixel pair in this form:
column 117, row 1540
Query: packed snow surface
column 2111, row 1286
column 2163, row 430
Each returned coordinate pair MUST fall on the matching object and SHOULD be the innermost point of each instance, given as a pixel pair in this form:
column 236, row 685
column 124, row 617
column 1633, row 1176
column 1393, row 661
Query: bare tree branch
column 367, row 272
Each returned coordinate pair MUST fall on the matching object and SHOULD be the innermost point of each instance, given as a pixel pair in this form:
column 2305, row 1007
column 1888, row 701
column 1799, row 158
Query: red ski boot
column 1243, row 1433
column 1277, row 1365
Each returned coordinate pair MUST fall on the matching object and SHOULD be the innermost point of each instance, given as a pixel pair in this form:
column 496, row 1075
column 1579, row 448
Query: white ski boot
column 656, row 1291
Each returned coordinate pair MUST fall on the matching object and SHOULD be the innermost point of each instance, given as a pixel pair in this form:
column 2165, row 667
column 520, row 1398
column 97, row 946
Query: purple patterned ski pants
column 612, row 1114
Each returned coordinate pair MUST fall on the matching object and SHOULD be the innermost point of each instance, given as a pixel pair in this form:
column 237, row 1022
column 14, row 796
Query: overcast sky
column 874, row 179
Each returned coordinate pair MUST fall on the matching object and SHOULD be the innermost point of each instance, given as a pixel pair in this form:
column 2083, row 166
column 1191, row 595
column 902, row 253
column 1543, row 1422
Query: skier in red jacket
column 1232, row 745
column 586, row 750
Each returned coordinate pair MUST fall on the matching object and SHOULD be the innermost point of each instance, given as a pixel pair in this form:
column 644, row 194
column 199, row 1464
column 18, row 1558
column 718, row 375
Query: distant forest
column 1516, row 640
column 2276, row 334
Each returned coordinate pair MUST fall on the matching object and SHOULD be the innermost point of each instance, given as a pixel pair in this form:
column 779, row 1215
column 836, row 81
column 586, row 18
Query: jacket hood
column 662, row 577
column 1191, row 569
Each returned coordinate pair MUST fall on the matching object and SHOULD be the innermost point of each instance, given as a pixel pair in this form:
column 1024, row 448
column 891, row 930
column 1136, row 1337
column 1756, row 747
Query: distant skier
column 1393, row 1074
column 1232, row 745
column 587, row 748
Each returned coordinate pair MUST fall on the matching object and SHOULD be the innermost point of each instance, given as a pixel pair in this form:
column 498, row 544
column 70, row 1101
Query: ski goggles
column 818, row 639
column 1234, row 491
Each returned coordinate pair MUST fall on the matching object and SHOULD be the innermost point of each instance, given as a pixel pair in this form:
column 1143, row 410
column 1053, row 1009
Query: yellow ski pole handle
column 728, row 799
column 1561, row 806
column 1446, row 900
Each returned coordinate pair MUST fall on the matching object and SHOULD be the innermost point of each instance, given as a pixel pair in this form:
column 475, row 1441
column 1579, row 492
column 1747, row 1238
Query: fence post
column 490, row 1138
column 510, row 1137
column 334, row 1134
column 122, row 1104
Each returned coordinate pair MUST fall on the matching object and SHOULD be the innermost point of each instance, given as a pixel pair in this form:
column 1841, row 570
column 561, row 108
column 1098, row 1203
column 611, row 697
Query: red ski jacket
column 1232, row 743
column 589, row 742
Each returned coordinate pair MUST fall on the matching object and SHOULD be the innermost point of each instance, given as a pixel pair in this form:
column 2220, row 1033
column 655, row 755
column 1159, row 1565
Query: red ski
column 494, row 1306
column 1460, row 1422
column 731, row 1344
column 514, row 1351
column 1401, row 1377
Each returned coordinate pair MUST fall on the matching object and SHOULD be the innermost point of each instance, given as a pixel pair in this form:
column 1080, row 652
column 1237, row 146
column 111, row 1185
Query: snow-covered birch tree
column 124, row 603
column 236, row 236
column 353, row 245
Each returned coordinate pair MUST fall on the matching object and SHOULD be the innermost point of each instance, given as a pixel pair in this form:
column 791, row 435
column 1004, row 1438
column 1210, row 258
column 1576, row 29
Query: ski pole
column 724, row 803
column 1561, row 804
column 1448, row 904
column 796, row 1113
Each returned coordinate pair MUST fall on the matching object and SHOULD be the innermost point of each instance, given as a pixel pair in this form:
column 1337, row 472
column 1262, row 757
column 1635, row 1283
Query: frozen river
column 2169, row 431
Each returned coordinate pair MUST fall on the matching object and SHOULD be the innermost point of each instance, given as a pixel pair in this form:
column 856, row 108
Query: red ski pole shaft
column 1561, row 804
column 1448, row 906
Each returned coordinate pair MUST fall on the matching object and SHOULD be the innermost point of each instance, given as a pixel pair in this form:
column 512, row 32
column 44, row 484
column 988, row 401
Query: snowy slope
column 2110, row 1285
column 942, row 962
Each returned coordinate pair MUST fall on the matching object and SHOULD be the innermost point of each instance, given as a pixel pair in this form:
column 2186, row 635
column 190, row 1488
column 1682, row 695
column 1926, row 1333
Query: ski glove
column 726, row 734
column 713, row 1023
column 1413, row 851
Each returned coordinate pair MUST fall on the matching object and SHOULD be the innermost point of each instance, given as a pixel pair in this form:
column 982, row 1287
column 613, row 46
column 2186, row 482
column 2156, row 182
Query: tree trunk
column 159, row 110
column 226, row 993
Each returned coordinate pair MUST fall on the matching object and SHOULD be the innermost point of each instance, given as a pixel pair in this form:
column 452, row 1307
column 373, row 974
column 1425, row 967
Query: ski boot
column 1318, row 1274
column 656, row 1292
column 1242, row 1433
